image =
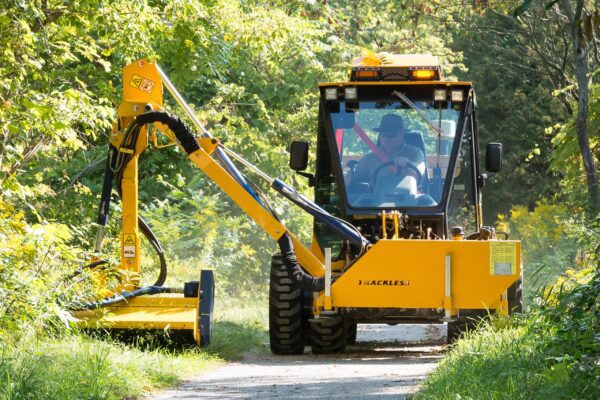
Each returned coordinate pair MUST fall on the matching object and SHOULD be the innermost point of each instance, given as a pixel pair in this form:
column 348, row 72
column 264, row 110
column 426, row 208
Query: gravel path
column 387, row 362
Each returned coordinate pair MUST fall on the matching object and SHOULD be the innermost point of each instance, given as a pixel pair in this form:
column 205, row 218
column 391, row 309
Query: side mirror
column 493, row 157
column 299, row 156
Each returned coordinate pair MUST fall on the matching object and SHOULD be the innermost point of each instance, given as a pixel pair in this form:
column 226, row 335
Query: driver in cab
column 393, row 156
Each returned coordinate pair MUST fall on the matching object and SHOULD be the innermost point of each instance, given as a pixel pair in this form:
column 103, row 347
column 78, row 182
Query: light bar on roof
column 422, row 74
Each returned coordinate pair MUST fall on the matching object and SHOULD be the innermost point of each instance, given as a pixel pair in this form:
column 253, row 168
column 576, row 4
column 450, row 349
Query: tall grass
column 80, row 367
column 509, row 362
column 551, row 353
column 77, row 367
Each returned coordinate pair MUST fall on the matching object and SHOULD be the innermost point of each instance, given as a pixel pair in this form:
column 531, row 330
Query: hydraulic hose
column 147, row 232
column 343, row 228
column 122, row 297
column 305, row 281
column 183, row 134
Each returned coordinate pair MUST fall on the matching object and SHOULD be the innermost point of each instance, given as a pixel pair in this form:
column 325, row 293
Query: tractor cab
column 397, row 137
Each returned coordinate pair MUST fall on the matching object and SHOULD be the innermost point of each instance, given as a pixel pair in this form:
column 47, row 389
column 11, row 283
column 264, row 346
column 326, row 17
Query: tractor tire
column 285, row 311
column 328, row 335
column 514, row 296
column 467, row 322
column 307, row 315
column 206, row 307
column 351, row 328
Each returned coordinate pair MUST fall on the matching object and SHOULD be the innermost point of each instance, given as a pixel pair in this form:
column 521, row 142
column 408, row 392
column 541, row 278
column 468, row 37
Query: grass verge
column 80, row 367
column 551, row 353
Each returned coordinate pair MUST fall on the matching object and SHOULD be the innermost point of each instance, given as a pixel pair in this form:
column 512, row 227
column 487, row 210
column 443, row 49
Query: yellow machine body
column 420, row 274
column 393, row 273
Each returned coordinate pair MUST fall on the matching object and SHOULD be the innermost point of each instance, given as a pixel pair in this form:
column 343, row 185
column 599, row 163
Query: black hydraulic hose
column 95, row 264
column 342, row 227
column 122, row 297
column 184, row 136
column 109, row 175
column 145, row 229
column 305, row 281
column 90, row 266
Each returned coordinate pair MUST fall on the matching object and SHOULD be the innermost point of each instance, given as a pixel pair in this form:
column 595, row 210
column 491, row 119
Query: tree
column 582, row 23
column 515, row 104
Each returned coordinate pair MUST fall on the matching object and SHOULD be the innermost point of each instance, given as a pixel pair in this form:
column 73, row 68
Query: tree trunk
column 581, row 50
column 582, row 73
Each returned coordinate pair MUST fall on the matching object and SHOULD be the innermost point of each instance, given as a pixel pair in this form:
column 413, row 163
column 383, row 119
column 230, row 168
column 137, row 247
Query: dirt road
column 387, row 362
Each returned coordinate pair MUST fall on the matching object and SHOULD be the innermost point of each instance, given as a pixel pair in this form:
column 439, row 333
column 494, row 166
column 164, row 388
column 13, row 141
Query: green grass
column 81, row 367
column 76, row 367
column 512, row 359
column 240, row 329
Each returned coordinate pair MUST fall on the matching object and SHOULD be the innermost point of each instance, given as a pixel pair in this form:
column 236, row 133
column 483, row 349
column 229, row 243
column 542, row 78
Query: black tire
column 328, row 335
column 206, row 307
column 285, row 311
column 307, row 314
column 351, row 328
column 514, row 296
column 468, row 321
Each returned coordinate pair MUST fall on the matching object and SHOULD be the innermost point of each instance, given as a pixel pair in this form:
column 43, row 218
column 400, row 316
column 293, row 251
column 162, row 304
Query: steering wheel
column 409, row 164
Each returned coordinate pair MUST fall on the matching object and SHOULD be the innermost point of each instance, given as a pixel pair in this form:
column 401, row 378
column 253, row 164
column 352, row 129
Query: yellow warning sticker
column 141, row 83
column 129, row 240
column 503, row 258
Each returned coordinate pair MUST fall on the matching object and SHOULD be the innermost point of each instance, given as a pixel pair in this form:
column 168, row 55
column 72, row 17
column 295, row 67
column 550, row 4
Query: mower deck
column 145, row 312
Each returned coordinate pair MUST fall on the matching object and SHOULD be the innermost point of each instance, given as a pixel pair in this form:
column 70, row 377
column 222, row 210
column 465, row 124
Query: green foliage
column 34, row 262
column 77, row 367
column 249, row 68
column 549, row 245
column 567, row 159
column 515, row 106
column 241, row 327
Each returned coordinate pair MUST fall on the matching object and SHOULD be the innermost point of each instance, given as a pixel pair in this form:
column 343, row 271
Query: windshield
column 394, row 153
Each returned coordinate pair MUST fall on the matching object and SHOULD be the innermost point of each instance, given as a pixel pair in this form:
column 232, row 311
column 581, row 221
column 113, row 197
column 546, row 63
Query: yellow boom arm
column 143, row 92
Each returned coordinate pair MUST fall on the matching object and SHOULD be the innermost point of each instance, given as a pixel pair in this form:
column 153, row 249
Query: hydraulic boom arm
column 141, row 117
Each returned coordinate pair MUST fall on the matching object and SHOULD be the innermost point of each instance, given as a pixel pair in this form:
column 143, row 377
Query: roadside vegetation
column 550, row 352
column 94, row 365
column 249, row 70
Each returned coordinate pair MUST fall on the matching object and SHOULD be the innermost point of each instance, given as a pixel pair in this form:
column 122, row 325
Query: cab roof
column 396, row 60
column 395, row 67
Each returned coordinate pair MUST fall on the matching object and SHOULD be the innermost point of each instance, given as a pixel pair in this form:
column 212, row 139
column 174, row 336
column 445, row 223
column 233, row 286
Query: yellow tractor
column 398, row 229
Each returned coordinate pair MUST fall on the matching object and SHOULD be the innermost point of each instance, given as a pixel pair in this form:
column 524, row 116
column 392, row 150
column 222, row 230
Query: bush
column 35, row 259
column 549, row 243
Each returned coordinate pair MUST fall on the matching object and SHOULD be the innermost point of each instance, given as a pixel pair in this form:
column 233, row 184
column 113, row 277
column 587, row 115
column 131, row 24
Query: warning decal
column 138, row 82
column 128, row 246
column 129, row 240
column 503, row 258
